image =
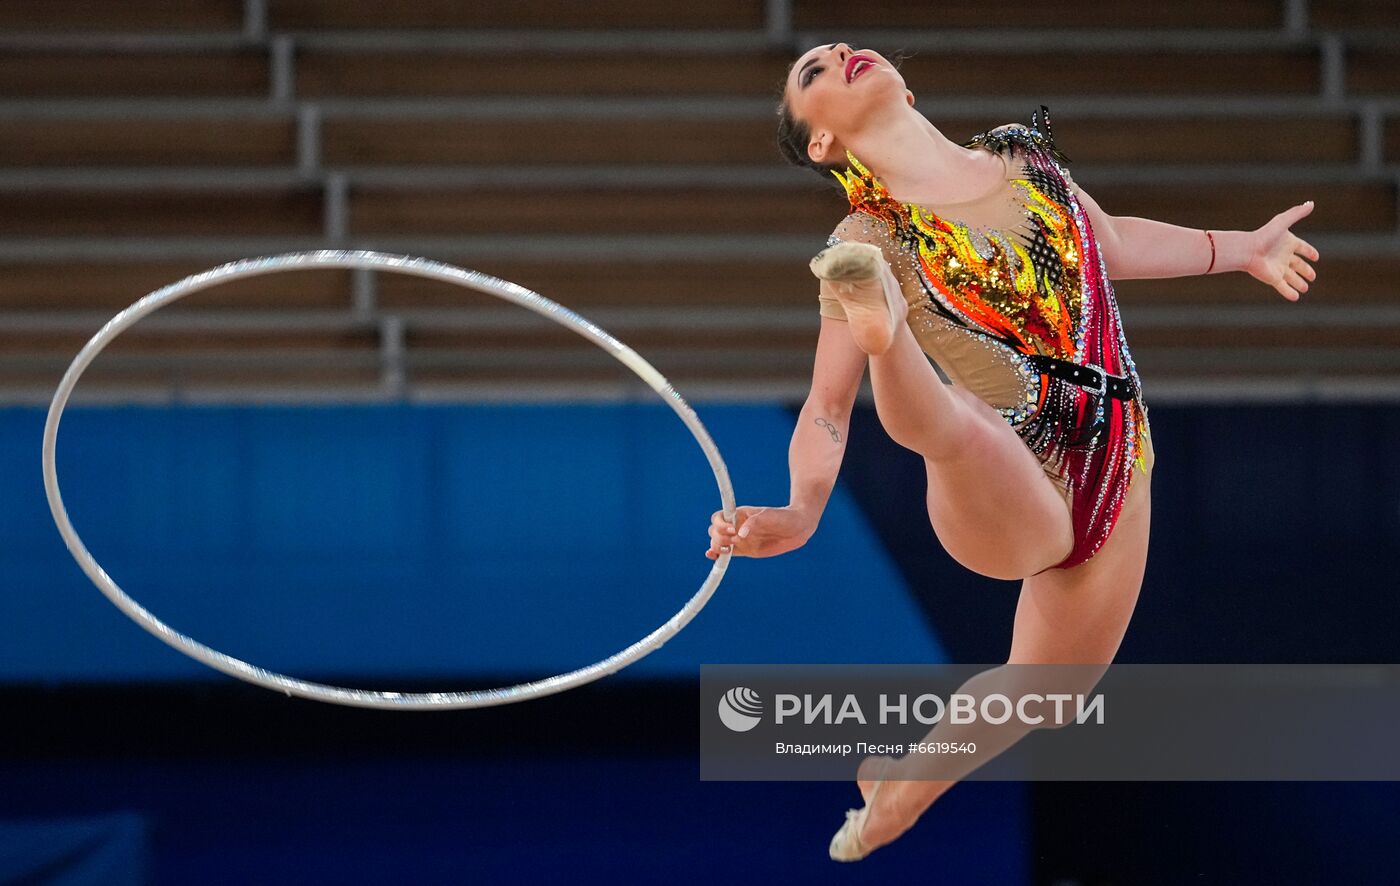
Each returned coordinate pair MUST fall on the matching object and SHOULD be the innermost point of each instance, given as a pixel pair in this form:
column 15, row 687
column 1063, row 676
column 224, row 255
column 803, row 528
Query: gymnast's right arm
column 814, row 456
column 819, row 440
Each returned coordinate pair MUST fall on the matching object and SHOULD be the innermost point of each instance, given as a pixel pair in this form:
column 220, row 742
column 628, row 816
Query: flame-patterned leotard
column 1010, row 296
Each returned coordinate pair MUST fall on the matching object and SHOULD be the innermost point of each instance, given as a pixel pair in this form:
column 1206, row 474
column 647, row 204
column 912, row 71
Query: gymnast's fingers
column 717, row 521
column 1301, row 266
column 717, row 544
column 714, row 540
column 1295, row 280
column 716, row 548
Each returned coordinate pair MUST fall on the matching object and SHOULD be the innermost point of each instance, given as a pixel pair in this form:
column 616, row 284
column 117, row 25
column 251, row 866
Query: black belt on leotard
column 1090, row 377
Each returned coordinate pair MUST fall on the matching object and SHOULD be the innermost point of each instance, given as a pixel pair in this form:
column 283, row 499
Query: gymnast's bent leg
column 990, row 503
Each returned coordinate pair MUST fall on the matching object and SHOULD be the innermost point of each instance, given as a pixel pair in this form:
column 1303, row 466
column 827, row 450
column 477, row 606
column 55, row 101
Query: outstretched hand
column 759, row 532
column 1281, row 258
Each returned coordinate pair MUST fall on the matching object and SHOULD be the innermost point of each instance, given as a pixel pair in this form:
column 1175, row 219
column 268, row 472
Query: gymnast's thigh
column 1080, row 614
column 992, row 505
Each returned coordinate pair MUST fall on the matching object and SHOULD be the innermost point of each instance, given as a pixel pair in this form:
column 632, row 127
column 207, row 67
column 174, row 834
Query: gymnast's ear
column 821, row 147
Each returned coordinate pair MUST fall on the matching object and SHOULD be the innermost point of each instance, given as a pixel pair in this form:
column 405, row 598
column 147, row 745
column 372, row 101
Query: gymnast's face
column 833, row 92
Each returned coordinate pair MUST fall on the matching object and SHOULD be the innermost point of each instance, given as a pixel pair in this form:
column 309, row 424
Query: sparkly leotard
column 994, row 281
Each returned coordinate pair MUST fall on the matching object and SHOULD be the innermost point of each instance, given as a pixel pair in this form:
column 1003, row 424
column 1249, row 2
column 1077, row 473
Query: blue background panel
column 424, row 541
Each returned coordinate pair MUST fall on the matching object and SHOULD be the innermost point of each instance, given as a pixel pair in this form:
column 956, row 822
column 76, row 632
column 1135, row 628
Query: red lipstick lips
column 853, row 66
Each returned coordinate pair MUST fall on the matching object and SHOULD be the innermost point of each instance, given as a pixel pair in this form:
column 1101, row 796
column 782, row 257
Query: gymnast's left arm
column 1139, row 248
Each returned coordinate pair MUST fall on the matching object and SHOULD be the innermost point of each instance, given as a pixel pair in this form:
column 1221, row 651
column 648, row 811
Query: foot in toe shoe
column 871, row 297
column 848, row 262
column 846, row 844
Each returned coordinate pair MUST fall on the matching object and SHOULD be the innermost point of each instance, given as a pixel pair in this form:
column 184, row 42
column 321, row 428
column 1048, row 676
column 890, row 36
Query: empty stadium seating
column 619, row 158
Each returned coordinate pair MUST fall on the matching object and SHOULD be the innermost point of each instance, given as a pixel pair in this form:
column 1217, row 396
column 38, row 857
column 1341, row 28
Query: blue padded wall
column 423, row 541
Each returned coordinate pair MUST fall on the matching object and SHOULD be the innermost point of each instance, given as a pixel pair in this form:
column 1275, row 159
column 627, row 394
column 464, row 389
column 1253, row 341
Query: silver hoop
column 367, row 260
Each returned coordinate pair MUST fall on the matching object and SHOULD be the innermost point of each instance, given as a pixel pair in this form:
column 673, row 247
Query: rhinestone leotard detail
column 984, row 298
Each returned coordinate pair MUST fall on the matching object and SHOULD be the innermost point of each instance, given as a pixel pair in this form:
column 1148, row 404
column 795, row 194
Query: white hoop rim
column 421, row 267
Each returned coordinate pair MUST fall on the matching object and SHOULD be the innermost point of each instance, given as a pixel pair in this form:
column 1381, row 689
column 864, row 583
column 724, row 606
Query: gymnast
column 989, row 259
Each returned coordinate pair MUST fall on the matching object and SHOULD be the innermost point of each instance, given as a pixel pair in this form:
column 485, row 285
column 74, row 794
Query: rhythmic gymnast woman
column 986, row 257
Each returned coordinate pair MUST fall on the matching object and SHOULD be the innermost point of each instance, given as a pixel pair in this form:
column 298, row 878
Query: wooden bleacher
column 593, row 152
